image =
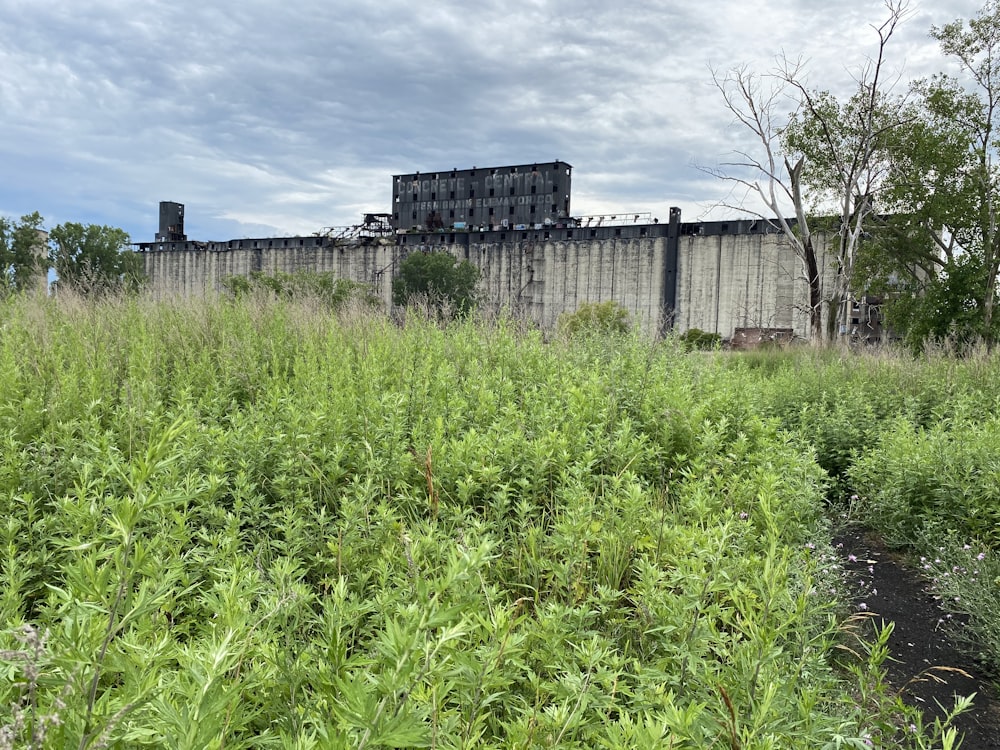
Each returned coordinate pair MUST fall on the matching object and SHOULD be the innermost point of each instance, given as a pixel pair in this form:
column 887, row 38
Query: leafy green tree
column 437, row 277
column 22, row 252
column 929, row 295
column 93, row 258
column 949, row 307
column 944, row 187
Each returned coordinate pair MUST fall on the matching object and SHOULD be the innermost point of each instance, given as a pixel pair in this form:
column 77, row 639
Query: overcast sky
column 274, row 118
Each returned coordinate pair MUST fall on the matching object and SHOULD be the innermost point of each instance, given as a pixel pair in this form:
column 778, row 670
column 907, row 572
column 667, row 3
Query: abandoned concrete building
column 739, row 279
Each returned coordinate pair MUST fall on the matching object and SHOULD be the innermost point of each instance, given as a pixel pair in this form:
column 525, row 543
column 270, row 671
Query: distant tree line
column 87, row 258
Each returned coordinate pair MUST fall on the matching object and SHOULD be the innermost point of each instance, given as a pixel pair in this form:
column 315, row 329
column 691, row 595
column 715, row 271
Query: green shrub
column 301, row 285
column 695, row 338
column 943, row 479
column 596, row 317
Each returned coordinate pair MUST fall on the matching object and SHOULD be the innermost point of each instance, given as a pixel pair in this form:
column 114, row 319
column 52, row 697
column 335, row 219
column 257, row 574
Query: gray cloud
column 270, row 118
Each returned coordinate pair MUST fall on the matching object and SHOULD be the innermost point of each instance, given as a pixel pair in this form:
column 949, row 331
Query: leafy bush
column 942, row 479
column 596, row 317
column 695, row 338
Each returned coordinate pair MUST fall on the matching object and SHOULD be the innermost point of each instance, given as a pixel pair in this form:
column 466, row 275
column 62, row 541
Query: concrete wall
column 199, row 272
column 724, row 281
column 546, row 278
column 730, row 281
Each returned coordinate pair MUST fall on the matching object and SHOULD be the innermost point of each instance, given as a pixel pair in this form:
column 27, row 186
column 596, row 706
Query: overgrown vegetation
column 595, row 318
column 437, row 279
column 914, row 452
column 695, row 338
column 306, row 286
column 262, row 525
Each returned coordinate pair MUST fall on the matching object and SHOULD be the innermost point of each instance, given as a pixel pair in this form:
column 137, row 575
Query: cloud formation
column 270, row 118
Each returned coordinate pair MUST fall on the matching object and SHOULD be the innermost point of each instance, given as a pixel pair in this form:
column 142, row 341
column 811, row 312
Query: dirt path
column 886, row 586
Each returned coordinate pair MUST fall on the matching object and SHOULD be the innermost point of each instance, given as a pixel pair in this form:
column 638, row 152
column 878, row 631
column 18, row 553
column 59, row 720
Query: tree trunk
column 989, row 303
column 838, row 310
column 815, row 292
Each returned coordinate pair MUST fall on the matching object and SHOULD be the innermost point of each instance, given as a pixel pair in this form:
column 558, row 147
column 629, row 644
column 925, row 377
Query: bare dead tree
column 816, row 157
column 765, row 175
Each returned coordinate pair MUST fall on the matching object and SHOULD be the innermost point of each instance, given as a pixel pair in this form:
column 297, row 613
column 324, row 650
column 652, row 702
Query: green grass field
column 261, row 524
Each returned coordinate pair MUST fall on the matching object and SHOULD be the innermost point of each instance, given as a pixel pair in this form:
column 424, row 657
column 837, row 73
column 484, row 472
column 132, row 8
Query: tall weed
column 260, row 524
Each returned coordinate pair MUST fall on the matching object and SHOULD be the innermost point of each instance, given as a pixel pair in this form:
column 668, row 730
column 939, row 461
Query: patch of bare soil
column 885, row 585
